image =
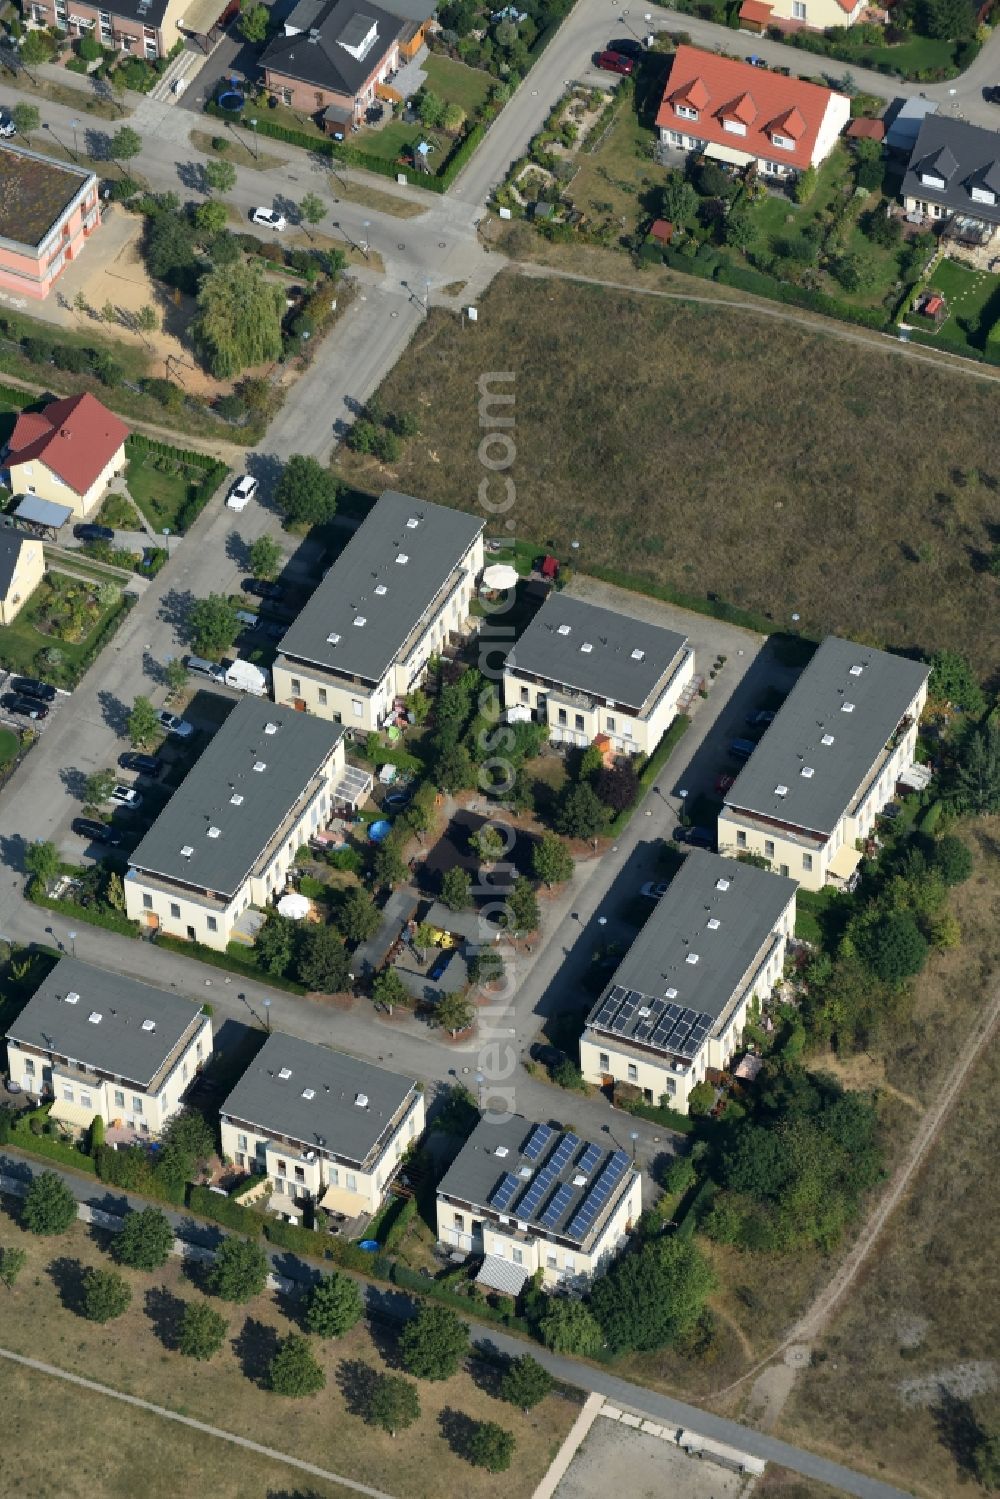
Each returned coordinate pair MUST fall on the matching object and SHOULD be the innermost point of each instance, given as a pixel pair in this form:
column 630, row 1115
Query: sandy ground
column 620, row 1460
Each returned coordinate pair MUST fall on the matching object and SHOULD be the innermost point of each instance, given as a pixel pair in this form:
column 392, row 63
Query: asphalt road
column 388, row 1305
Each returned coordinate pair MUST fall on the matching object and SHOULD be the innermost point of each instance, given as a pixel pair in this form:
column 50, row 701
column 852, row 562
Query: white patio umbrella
column 294, row 906
column 500, row 575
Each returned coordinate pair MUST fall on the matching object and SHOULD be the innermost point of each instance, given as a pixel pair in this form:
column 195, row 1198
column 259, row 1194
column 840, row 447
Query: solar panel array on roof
column 557, row 1206
column 532, row 1199
column 587, row 1214
column 564, row 1150
column 668, row 1026
column 503, row 1193
column 589, row 1159
column 537, row 1141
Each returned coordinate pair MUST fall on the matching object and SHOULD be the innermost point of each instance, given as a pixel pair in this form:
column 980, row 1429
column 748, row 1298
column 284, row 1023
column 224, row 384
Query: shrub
column 335, row 1306
column 49, row 1205
column 106, row 1295
column 240, row 1270
column 294, row 1370
column 203, row 1330
column 434, row 1343
column 145, row 1241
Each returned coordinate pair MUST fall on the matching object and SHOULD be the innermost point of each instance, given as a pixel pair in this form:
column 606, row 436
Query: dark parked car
column 761, row 718
column 27, row 707
column 697, row 837
column 90, row 532
column 742, row 749
column 261, row 589
column 32, row 687
column 146, row 765
column 615, row 62
column 546, row 1055
column 626, row 46
column 439, row 965
column 97, row 832
column 991, row 93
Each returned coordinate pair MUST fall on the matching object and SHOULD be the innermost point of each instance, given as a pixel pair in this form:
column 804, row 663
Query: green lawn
column 9, row 746
column 919, row 55
column 21, row 642
column 12, row 403
column 456, row 83
column 395, row 139
column 160, row 496
column 968, row 292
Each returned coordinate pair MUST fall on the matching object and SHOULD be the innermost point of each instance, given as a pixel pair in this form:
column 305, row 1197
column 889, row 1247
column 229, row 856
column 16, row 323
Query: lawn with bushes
column 62, row 627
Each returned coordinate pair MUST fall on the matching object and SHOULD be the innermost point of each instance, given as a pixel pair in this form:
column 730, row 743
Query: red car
column 615, row 62
column 723, row 783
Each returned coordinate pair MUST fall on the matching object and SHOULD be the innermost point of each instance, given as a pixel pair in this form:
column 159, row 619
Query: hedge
column 22, row 1137
column 224, row 1210
column 351, row 156
column 213, row 472
column 106, row 917
column 681, row 1124
column 228, row 960
column 697, row 1209
column 652, row 768
column 714, row 266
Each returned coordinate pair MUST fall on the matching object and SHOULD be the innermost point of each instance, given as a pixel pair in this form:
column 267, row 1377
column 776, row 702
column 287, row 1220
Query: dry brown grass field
column 135, row 1354
column 720, row 452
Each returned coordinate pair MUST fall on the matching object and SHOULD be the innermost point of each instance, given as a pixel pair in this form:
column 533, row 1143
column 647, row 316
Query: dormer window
column 686, row 111
column 983, row 195
column 783, row 142
column 930, row 179
column 735, row 127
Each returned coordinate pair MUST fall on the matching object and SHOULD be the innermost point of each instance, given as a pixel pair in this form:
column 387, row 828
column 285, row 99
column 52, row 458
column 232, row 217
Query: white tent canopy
column 500, row 575
column 294, row 906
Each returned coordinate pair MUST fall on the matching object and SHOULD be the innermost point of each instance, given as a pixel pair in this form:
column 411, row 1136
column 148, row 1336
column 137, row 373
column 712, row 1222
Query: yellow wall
column 352, row 1190
column 28, row 574
column 36, row 478
column 156, row 1108
column 559, row 1266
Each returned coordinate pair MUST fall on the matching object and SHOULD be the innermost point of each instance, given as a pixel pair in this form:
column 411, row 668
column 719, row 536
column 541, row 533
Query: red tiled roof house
column 737, row 113
column 800, row 15
column 68, row 453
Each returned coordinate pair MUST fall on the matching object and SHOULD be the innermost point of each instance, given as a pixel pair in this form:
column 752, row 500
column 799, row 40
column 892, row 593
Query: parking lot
column 620, row 1459
column 11, row 717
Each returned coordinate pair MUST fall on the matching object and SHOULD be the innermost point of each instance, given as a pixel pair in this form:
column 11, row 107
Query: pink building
column 48, row 210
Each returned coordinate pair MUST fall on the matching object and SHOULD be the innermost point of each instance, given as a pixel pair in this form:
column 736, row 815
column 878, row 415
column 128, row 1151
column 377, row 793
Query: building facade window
column 175, row 910
column 769, row 848
column 633, row 1073
column 352, row 1182
column 119, row 1099
column 296, row 687
column 147, row 902
column 137, row 1105
column 213, row 925
column 807, row 863
column 322, row 697
column 741, row 840
column 604, row 1061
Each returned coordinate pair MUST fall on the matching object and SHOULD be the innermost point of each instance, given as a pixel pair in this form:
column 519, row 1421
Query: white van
column 199, row 667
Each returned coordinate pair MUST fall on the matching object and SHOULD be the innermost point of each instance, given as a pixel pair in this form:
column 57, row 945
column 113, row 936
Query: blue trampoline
column 379, row 831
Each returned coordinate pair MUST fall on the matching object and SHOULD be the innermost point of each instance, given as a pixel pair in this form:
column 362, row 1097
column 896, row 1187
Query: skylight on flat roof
column 285, row 1073
column 692, row 957
column 360, row 621
column 381, row 590
column 308, row 1092
column 236, row 799
column 847, row 707
column 149, row 1025
column 856, row 671
column 361, row 1101
column 638, row 655
column 94, row 1017
column 671, row 992
column 270, row 728
column 333, row 638
column 72, row 997
column 413, row 523
column 402, row 559
column 186, row 851
column 808, row 772
column 564, row 629
column 722, row 884
column 827, row 739
column 780, row 790
column 714, row 923
column 260, row 766
column 214, row 832
column 586, row 647
column 501, row 1151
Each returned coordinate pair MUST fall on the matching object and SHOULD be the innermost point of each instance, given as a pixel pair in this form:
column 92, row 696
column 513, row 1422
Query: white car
column 270, row 219
column 174, row 725
column 242, row 492
column 7, row 127
column 126, row 796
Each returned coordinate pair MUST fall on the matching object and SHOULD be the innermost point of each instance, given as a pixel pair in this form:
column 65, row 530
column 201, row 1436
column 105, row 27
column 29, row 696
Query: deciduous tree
column 239, row 319
column 203, row 1331
column 213, row 625
column 434, row 1342
column 307, row 492
column 106, row 1295
column 525, row 1382
column 551, row 860
column 240, row 1270
column 145, row 1241
column 335, row 1306
column 393, row 1403
column 294, row 1370
column 266, row 558
column 143, row 724
column 41, row 859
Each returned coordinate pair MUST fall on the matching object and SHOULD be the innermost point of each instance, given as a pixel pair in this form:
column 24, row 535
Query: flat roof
column 828, row 734
column 692, row 955
column 595, row 650
column 381, row 586
column 326, row 1099
column 43, row 512
column 552, row 1180
column 235, row 798
column 104, row 1019
column 34, row 193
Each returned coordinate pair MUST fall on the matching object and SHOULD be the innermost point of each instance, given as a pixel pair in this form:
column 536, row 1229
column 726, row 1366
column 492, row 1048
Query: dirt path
column 212, row 1431
column 887, row 343
column 813, row 1319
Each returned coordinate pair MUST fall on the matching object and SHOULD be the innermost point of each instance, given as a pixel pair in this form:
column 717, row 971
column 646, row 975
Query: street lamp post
column 427, row 292
column 480, row 1079
column 72, row 938
column 253, row 126
column 74, row 126
column 267, row 1015
column 366, row 246
column 634, row 1137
